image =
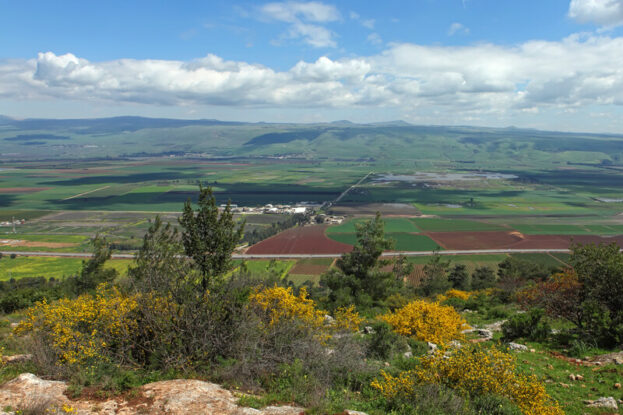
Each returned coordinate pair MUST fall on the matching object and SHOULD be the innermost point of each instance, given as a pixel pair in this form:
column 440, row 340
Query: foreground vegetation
column 358, row 339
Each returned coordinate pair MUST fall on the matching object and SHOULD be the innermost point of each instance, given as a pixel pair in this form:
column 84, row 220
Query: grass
column 20, row 267
column 545, row 260
column 598, row 381
column 263, row 267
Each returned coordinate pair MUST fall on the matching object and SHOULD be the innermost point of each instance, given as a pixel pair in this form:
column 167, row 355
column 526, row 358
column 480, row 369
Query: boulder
column 27, row 388
column 17, row 358
column 171, row 397
column 603, row 402
column 518, row 347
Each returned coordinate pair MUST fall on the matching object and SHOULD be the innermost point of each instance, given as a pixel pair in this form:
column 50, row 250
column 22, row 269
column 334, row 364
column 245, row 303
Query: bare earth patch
column 22, row 189
column 35, row 244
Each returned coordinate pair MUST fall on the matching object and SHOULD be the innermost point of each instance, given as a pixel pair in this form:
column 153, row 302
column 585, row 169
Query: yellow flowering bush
column 426, row 321
column 472, row 371
column 281, row 304
column 347, row 319
column 82, row 329
column 454, row 293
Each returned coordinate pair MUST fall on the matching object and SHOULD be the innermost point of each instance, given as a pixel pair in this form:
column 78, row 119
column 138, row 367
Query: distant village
column 302, row 208
column 14, row 222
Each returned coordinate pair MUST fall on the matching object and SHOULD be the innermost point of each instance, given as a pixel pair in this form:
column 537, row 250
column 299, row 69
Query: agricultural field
column 57, row 268
column 437, row 187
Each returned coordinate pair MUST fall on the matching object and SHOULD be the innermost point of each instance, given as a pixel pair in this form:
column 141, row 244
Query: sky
column 555, row 64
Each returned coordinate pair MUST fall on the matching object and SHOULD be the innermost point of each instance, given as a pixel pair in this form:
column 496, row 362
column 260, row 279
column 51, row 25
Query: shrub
column 473, row 372
column 459, row 278
column 86, row 329
column 427, row 321
column 482, row 278
column 382, row 342
column 280, row 303
column 454, row 293
column 527, row 325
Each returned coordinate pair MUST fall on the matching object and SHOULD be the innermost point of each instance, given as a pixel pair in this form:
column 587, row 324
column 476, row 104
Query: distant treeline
column 259, row 234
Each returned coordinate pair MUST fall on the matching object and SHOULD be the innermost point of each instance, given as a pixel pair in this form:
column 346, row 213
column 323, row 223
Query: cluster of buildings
column 13, row 222
column 272, row 209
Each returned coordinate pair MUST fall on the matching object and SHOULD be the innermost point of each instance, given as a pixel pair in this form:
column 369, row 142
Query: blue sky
column 551, row 64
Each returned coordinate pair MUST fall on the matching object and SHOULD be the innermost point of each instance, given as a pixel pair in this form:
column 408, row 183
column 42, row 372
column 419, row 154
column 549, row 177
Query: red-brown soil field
column 514, row 240
column 300, row 240
column 22, row 189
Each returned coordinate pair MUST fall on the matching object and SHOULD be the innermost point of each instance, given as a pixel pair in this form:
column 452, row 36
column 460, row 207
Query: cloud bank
column 579, row 71
column 601, row 12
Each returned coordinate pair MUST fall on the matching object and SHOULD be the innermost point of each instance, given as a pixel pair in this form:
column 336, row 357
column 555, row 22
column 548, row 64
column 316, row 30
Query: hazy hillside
column 136, row 136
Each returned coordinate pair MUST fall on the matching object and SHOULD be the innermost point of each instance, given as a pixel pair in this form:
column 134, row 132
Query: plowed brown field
column 300, row 240
column 514, row 240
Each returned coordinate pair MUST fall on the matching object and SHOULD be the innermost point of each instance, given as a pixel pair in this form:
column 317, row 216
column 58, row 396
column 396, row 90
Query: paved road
column 345, row 192
column 301, row 256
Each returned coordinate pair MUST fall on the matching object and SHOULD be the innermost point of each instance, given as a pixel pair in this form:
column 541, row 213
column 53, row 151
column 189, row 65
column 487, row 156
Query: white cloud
column 293, row 11
column 457, row 28
column 600, row 12
column 482, row 80
column 304, row 19
column 374, row 38
column 368, row 23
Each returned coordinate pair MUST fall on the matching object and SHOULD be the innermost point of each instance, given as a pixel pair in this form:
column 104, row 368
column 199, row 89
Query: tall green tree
column 93, row 272
column 358, row 278
column 160, row 264
column 209, row 236
column 599, row 269
column 436, row 276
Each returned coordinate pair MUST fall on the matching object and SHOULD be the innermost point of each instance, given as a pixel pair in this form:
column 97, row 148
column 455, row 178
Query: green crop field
column 403, row 241
column 454, row 225
column 391, row 225
column 20, row 267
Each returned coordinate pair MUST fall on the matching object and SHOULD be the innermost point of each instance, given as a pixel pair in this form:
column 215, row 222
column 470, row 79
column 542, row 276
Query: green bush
column 494, row 405
column 383, row 342
column 528, row 325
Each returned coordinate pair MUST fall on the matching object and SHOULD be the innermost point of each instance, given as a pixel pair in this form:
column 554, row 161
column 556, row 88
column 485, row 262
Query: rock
column 432, row 347
column 497, row 326
column 171, row 397
column 517, row 347
column 532, row 350
column 17, row 358
column 455, row 343
column 603, row 402
column 408, row 354
column 27, row 387
column 368, row 330
column 350, row 412
column 617, row 361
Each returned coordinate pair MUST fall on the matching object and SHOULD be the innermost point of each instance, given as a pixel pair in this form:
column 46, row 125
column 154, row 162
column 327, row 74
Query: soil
column 514, row 240
column 300, row 240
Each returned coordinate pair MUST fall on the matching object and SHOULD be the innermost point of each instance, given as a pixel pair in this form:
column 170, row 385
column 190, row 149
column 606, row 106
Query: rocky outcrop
column 171, row 397
column 605, row 402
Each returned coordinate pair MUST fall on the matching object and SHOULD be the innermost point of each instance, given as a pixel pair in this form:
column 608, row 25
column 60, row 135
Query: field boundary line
column 86, row 193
